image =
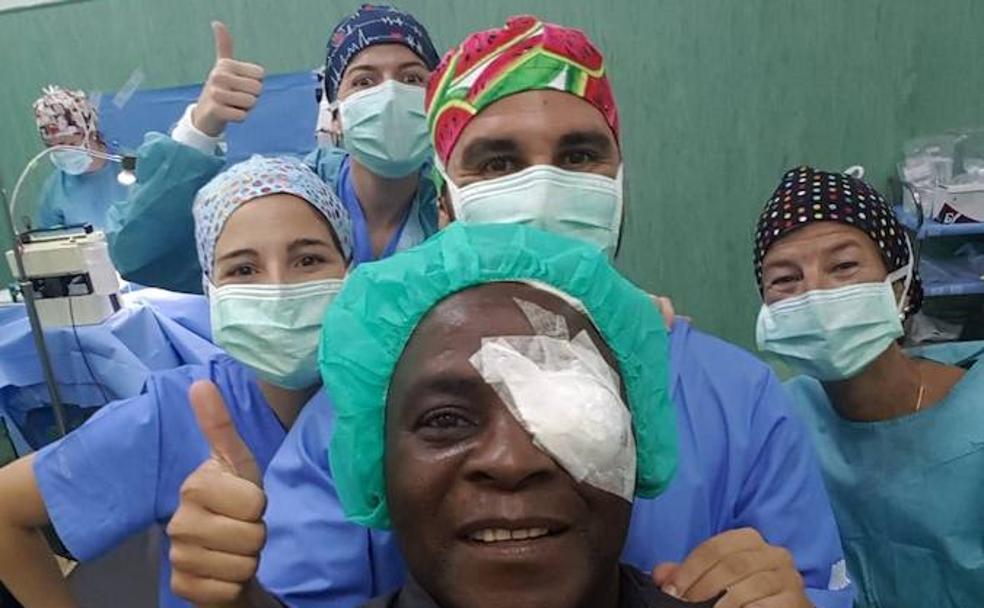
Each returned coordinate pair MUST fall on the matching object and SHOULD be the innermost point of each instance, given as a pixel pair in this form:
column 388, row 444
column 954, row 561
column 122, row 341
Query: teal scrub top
column 908, row 493
column 68, row 200
column 151, row 234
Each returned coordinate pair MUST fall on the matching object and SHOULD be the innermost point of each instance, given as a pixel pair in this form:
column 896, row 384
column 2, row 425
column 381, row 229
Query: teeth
column 490, row 535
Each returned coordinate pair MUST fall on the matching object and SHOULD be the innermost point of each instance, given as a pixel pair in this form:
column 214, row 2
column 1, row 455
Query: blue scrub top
column 743, row 461
column 907, row 492
column 79, row 199
column 122, row 470
column 361, row 238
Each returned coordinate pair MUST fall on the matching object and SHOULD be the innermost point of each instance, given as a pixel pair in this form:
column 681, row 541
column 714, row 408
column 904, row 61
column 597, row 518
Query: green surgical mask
column 576, row 204
column 833, row 334
column 72, row 162
column 273, row 329
column 385, row 128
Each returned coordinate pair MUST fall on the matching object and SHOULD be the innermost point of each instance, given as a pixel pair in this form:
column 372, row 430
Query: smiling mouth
column 498, row 535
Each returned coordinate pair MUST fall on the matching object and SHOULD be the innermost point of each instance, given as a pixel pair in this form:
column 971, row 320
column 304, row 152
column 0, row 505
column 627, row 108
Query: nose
column 506, row 458
column 276, row 273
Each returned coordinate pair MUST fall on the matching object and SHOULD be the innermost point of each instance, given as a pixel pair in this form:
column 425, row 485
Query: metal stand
column 37, row 332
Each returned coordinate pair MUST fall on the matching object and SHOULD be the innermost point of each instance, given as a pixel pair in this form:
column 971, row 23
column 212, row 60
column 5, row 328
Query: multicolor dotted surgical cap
column 525, row 55
column 806, row 196
column 60, row 112
column 369, row 26
column 257, row 177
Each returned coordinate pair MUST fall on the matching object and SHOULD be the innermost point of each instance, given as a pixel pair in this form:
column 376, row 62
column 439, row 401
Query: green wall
column 718, row 97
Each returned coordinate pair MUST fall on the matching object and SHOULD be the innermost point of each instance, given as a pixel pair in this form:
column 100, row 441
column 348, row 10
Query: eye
column 445, row 420
column 310, row 260
column 499, row 165
column 241, row 270
column 413, row 78
column 576, row 158
column 845, row 266
column 363, row 82
column 781, row 280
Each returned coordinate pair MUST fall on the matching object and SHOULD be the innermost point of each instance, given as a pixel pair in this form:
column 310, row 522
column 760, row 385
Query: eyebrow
column 368, row 67
column 448, row 383
column 237, row 253
column 586, row 138
column 482, row 147
column 307, row 242
column 838, row 247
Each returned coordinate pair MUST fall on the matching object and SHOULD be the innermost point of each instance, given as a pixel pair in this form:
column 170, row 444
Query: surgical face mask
column 585, row 206
column 273, row 329
column 385, row 128
column 833, row 334
column 72, row 162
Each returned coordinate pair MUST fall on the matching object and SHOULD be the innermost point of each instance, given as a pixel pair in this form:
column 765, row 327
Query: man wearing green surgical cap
column 519, row 421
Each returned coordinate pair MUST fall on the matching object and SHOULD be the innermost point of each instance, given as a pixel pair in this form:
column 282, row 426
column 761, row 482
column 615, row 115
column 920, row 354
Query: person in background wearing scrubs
column 276, row 243
column 378, row 63
column 83, row 186
column 900, row 433
column 525, row 124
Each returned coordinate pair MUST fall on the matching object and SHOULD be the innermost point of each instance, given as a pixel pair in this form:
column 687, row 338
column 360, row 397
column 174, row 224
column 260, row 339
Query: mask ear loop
column 336, row 136
column 906, row 271
column 454, row 193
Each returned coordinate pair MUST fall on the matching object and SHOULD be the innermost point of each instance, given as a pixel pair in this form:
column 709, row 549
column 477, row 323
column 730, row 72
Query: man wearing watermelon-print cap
column 524, row 125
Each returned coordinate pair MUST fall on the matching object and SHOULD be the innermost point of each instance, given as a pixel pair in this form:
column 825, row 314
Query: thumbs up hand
column 217, row 531
column 231, row 89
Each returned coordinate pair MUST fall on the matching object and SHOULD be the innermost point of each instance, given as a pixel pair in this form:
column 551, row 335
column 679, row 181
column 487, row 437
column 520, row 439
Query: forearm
column 28, row 568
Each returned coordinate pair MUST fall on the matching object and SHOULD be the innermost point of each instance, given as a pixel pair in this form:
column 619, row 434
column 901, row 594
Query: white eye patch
column 564, row 393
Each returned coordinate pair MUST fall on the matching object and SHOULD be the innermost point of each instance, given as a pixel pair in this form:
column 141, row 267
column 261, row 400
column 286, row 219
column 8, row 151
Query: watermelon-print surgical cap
column 525, row 55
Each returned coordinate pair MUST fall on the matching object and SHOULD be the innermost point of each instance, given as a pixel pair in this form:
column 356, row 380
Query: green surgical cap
column 369, row 323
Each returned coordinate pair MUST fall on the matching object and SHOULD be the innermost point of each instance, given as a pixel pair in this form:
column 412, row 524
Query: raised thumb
column 228, row 448
column 223, row 40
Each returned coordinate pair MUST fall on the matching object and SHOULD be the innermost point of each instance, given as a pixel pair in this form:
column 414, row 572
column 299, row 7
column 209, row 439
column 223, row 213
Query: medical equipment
column 74, row 281
column 27, row 284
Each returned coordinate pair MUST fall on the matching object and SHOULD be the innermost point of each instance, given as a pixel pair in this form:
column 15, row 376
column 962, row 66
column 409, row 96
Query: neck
column 384, row 201
column 888, row 388
column 607, row 595
column 286, row 403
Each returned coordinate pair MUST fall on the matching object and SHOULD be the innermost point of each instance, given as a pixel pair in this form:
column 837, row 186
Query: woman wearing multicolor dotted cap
column 900, row 433
column 276, row 244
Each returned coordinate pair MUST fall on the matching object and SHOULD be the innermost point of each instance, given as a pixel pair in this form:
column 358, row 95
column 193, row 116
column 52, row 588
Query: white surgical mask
column 385, row 128
column 72, row 162
column 273, row 329
column 833, row 334
column 585, row 206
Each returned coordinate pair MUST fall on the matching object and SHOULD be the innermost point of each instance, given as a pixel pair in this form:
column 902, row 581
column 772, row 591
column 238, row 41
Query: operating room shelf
column 931, row 228
column 968, row 288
